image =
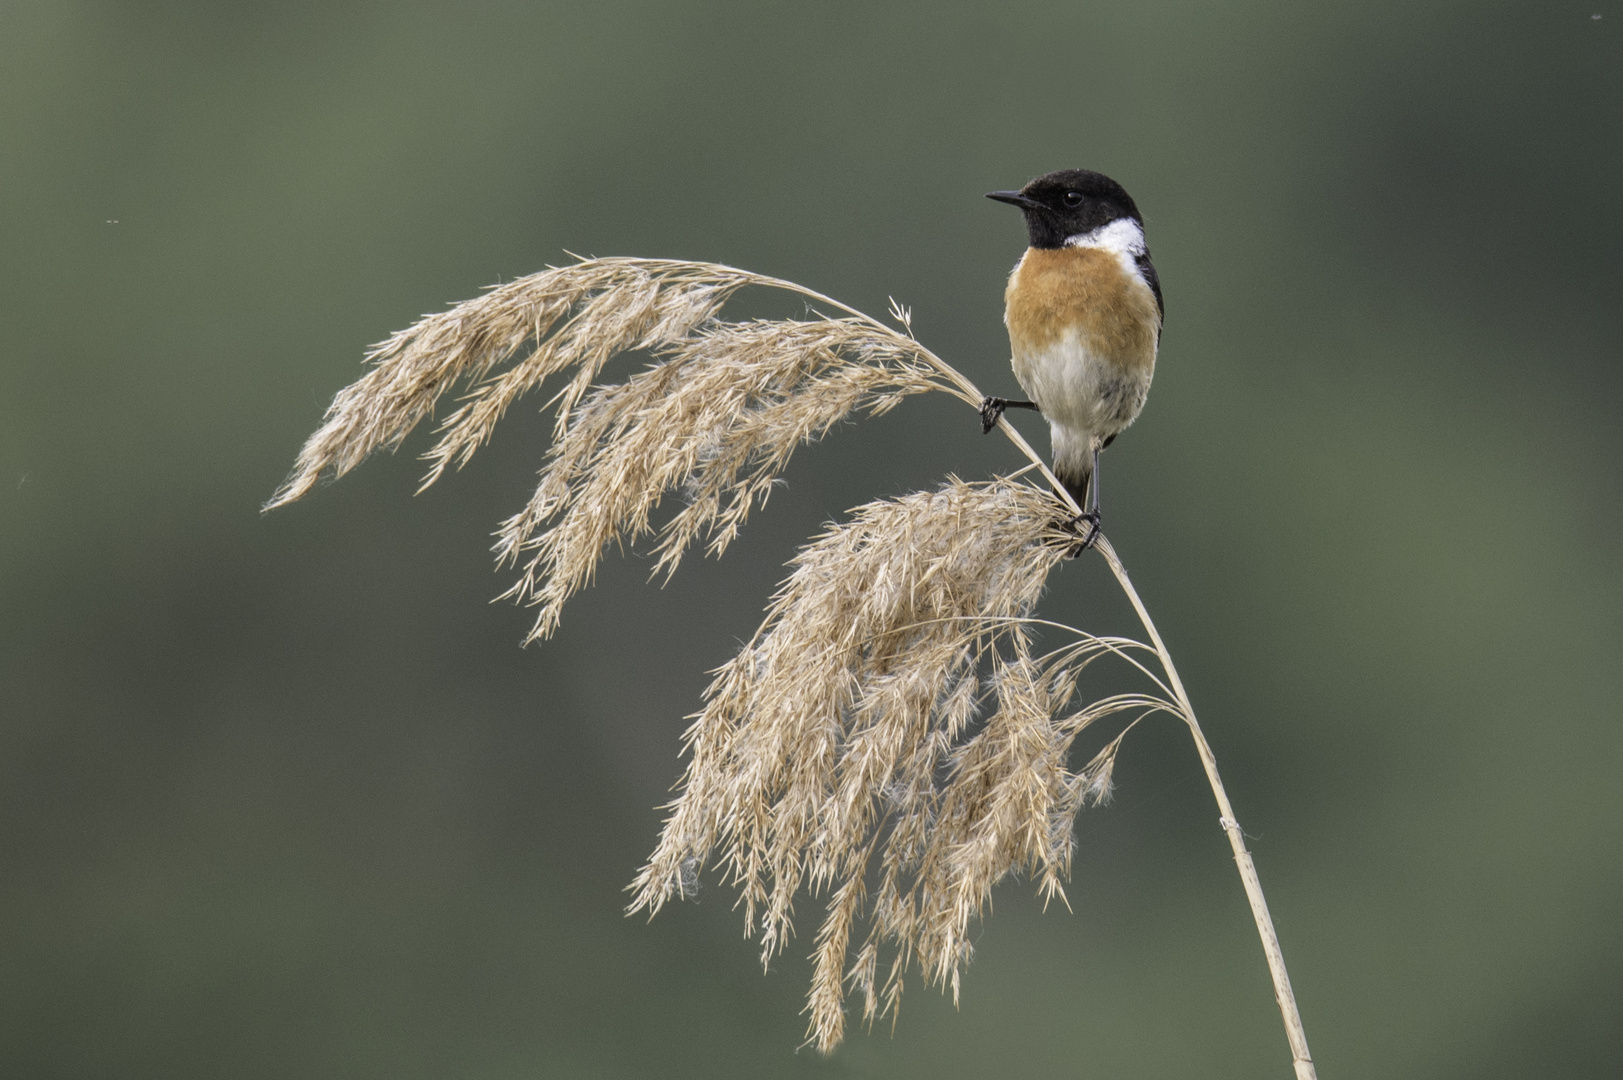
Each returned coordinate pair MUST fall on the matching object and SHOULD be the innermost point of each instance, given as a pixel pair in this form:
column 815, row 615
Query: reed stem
column 1294, row 1032
column 1283, row 994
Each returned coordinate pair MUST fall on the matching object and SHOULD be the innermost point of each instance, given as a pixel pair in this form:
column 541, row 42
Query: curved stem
column 1294, row 1033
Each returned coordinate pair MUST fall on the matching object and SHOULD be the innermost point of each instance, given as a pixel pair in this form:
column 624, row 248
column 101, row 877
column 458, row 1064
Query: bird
column 1084, row 310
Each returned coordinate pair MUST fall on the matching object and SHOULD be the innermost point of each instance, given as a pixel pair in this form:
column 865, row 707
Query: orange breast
column 1085, row 291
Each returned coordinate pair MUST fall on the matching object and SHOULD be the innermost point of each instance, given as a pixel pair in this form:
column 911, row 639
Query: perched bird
column 1084, row 311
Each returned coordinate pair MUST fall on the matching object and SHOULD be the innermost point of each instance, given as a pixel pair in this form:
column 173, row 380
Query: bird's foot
column 992, row 409
column 1085, row 541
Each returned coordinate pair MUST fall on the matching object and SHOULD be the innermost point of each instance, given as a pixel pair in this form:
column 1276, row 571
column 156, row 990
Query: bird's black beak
column 1015, row 198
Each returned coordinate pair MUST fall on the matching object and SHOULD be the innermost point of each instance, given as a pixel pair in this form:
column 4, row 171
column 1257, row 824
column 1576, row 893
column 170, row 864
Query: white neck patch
column 1122, row 237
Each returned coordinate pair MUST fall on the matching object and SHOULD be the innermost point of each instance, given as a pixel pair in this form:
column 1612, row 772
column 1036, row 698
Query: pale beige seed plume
column 716, row 417
column 617, row 304
column 845, row 748
column 715, row 420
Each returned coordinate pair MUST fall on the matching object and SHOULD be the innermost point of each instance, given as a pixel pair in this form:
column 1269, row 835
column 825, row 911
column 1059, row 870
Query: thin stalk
column 1294, row 1033
column 1300, row 1057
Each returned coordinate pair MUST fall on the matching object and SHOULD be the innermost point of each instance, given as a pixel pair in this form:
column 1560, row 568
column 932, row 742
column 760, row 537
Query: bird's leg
column 992, row 408
column 1091, row 515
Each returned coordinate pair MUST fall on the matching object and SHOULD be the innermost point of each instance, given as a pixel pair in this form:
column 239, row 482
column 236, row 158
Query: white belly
column 1085, row 398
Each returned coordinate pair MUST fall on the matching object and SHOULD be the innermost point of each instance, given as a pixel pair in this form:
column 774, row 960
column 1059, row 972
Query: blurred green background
column 282, row 796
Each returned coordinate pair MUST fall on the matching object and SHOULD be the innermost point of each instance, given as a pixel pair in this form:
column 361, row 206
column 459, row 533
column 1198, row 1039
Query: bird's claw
column 991, row 410
column 1093, row 518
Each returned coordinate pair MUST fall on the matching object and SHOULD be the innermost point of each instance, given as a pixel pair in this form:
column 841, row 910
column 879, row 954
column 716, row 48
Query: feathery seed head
column 716, row 417
column 844, row 748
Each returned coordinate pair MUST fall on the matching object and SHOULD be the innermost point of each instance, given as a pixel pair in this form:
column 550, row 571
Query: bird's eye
column 1073, row 198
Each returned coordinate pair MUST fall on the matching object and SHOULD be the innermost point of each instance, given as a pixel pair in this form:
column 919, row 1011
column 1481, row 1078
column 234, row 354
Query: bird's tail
column 1075, row 477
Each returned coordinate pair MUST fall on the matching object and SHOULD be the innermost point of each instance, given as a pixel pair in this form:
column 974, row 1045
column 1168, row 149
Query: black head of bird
column 1069, row 203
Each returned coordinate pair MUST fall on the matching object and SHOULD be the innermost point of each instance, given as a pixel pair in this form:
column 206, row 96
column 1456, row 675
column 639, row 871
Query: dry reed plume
column 716, row 418
column 890, row 739
column 846, row 741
